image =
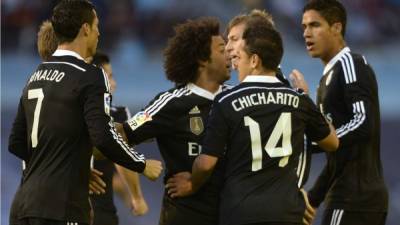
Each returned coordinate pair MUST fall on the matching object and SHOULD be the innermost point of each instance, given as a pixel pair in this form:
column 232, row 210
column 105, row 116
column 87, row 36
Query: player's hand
column 96, row 184
column 139, row 206
column 153, row 169
column 179, row 185
column 310, row 211
column 298, row 81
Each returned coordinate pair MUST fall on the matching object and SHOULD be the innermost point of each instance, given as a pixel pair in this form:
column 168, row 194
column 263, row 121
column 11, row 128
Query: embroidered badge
column 196, row 125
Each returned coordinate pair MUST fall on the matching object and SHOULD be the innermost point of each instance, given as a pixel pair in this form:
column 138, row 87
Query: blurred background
column 134, row 33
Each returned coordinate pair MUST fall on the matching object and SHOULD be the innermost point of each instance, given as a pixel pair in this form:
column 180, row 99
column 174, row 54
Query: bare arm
column 132, row 181
column 331, row 142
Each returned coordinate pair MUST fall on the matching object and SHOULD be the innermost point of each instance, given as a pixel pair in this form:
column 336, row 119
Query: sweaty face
column 234, row 41
column 93, row 38
column 218, row 65
column 108, row 69
column 319, row 35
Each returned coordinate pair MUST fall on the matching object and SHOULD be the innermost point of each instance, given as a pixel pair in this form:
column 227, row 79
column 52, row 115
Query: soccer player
column 47, row 41
column 235, row 31
column 351, row 184
column 258, row 127
column 64, row 108
column 103, row 205
column 195, row 61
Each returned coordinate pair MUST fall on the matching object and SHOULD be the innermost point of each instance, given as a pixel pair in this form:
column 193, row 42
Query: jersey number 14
column 283, row 128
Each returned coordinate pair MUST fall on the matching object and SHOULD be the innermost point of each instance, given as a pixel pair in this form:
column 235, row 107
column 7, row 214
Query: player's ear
column 255, row 60
column 86, row 29
column 337, row 28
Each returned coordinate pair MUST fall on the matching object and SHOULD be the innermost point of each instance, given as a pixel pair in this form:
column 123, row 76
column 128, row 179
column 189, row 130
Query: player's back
column 59, row 145
column 266, row 122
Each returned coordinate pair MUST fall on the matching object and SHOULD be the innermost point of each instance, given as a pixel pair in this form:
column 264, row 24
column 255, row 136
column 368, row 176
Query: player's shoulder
column 173, row 94
column 227, row 91
column 169, row 101
column 359, row 59
column 349, row 61
column 352, row 65
column 225, row 87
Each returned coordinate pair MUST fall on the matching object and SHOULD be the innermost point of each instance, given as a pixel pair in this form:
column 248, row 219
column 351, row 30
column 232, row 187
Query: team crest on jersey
column 329, row 78
column 107, row 103
column 196, row 125
column 139, row 119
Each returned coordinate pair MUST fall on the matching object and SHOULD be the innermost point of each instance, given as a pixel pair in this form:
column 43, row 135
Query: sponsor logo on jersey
column 329, row 78
column 196, row 125
column 139, row 119
column 107, row 103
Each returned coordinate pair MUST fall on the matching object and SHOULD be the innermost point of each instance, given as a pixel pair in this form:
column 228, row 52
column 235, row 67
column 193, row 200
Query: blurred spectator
column 150, row 21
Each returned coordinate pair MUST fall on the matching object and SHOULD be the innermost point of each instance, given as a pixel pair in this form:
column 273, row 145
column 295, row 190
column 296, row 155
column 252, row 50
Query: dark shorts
column 343, row 217
column 42, row 221
column 104, row 218
column 174, row 214
column 273, row 223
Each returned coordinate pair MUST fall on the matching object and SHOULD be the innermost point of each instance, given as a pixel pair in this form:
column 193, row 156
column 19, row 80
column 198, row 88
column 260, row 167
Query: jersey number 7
column 32, row 94
column 283, row 127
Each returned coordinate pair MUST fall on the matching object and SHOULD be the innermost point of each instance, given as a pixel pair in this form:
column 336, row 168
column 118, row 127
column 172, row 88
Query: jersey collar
column 203, row 92
column 261, row 79
column 333, row 61
column 63, row 52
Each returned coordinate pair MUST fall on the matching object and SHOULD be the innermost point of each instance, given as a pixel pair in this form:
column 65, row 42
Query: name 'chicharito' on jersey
column 258, row 127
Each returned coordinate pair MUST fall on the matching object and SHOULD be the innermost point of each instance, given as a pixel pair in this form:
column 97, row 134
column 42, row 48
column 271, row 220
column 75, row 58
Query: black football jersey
column 63, row 112
column 177, row 119
column 348, row 96
column 104, row 203
column 259, row 127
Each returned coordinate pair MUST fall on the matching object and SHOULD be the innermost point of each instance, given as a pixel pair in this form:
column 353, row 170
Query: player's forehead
column 96, row 19
column 312, row 16
column 237, row 30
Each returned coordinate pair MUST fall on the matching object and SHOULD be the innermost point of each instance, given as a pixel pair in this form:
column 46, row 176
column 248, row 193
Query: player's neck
column 75, row 47
column 336, row 48
column 207, row 84
column 262, row 72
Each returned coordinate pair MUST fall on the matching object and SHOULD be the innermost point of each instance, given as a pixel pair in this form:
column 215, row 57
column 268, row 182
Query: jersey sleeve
column 317, row 128
column 96, row 108
column 358, row 85
column 17, row 143
column 154, row 120
column 217, row 132
column 317, row 193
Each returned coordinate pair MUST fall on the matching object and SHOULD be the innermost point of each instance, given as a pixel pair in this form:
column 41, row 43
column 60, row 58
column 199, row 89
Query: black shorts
column 274, row 223
column 42, row 221
column 104, row 218
column 174, row 214
column 343, row 217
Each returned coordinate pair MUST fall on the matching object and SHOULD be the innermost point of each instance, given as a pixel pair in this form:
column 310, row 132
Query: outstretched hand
column 179, row 185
